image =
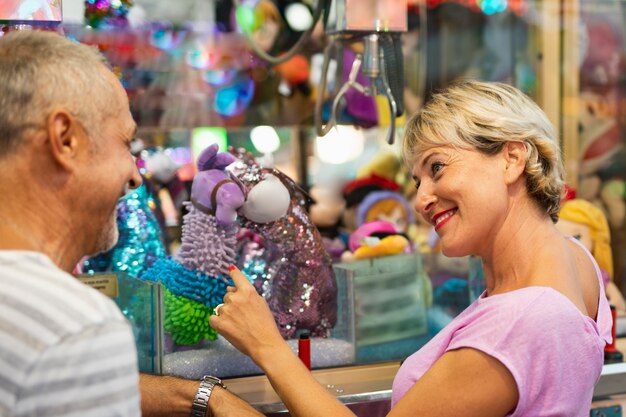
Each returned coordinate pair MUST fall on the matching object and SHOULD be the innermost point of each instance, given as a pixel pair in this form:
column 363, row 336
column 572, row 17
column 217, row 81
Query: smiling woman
column 489, row 178
column 474, row 115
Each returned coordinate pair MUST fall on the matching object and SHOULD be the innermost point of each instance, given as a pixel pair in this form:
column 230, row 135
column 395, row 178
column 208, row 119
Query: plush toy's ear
column 206, row 158
column 292, row 186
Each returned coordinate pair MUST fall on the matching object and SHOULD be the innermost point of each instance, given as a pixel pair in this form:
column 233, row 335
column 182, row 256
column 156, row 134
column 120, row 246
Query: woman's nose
column 424, row 200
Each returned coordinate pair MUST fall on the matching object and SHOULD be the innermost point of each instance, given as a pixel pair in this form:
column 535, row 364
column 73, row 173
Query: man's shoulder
column 38, row 288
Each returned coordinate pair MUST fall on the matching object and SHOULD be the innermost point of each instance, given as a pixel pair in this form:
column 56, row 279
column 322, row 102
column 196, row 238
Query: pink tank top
column 554, row 352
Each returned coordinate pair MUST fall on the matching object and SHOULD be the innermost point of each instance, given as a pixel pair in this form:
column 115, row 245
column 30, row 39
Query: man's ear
column 63, row 137
column 515, row 154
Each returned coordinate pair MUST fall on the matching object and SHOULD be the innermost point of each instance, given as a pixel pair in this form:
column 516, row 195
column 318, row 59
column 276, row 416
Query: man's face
column 110, row 170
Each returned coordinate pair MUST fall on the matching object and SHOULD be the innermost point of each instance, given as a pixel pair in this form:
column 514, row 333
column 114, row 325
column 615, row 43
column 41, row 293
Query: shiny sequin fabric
column 140, row 243
column 291, row 268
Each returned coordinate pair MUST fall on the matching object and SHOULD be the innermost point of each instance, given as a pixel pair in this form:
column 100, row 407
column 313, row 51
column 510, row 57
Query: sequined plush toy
column 293, row 271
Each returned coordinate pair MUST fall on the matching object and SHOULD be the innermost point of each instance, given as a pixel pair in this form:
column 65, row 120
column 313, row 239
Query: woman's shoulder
column 533, row 308
column 540, row 319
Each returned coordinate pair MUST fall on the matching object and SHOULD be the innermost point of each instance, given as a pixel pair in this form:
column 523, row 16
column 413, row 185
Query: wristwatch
column 201, row 400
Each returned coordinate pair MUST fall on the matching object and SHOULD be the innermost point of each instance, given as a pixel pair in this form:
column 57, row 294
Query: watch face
column 213, row 380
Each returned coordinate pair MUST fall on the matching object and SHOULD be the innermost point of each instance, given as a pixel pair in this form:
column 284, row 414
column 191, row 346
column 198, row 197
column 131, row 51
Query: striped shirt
column 65, row 349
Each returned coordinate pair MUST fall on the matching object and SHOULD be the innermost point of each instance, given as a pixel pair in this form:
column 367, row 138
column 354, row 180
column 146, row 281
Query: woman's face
column 463, row 194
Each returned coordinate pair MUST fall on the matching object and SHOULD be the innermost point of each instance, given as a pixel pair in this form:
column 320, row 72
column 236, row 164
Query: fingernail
column 231, row 268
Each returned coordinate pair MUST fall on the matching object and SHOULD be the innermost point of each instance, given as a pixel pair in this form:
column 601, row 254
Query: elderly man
column 65, row 349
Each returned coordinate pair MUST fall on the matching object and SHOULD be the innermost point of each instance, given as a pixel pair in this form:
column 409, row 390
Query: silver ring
column 217, row 309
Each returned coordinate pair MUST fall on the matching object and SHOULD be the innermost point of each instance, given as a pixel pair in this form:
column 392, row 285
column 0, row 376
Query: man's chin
column 107, row 241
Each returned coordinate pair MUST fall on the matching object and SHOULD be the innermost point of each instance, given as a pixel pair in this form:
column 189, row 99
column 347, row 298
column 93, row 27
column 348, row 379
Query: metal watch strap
column 201, row 400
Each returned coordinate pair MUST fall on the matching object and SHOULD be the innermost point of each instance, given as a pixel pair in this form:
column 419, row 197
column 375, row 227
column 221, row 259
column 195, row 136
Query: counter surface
column 355, row 384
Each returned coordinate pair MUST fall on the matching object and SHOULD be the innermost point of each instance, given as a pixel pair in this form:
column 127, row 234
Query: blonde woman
column 488, row 174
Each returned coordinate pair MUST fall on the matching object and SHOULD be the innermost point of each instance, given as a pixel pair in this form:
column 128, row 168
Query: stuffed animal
column 374, row 239
column 297, row 278
column 389, row 206
column 389, row 245
column 280, row 251
column 195, row 279
column 355, row 191
column 587, row 223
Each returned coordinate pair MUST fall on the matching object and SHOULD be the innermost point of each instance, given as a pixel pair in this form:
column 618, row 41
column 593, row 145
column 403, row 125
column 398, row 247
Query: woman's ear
column 515, row 154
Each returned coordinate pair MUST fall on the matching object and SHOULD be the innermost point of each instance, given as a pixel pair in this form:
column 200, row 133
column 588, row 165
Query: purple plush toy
column 295, row 274
column 208, row 235
column 195, row 278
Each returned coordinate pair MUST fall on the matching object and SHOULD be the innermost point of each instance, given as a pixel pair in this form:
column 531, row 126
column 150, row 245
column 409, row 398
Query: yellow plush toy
column 587, row 223
column 390, row 245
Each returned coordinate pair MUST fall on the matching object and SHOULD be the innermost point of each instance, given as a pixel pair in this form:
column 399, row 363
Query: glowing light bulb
column 298, row 17
column 342, row 144
column 265, row 139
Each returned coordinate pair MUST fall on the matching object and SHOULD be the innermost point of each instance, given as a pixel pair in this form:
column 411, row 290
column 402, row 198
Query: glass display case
column 386, row 305
column 193, row 80
column 141, row 303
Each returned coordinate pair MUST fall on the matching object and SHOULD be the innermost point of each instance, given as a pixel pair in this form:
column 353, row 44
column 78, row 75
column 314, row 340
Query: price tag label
column 105, row 283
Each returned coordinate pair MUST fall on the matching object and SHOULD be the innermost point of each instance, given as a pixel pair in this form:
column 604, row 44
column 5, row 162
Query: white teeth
column 445, row 216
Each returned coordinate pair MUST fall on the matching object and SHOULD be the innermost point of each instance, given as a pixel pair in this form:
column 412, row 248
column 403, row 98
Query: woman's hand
column 245, row 319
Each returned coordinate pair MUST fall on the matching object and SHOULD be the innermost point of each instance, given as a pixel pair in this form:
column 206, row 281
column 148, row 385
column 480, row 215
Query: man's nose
column 135, row 179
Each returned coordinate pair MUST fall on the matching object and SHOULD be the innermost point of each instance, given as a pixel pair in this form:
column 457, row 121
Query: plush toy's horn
column 206, row 158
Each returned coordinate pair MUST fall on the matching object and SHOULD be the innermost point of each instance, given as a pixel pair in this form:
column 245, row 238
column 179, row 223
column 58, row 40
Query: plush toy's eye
column 267, row 201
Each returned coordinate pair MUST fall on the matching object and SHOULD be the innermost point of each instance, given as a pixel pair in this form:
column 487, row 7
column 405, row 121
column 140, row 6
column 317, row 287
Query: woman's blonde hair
column 484, row 116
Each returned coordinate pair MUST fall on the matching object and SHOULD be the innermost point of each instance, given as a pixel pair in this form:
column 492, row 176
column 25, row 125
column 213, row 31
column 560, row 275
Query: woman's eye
column 577, row 236
column 436, row 167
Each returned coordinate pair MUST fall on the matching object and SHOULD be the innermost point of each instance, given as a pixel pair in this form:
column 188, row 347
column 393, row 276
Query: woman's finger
column 227, row 296
column 238, row 277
